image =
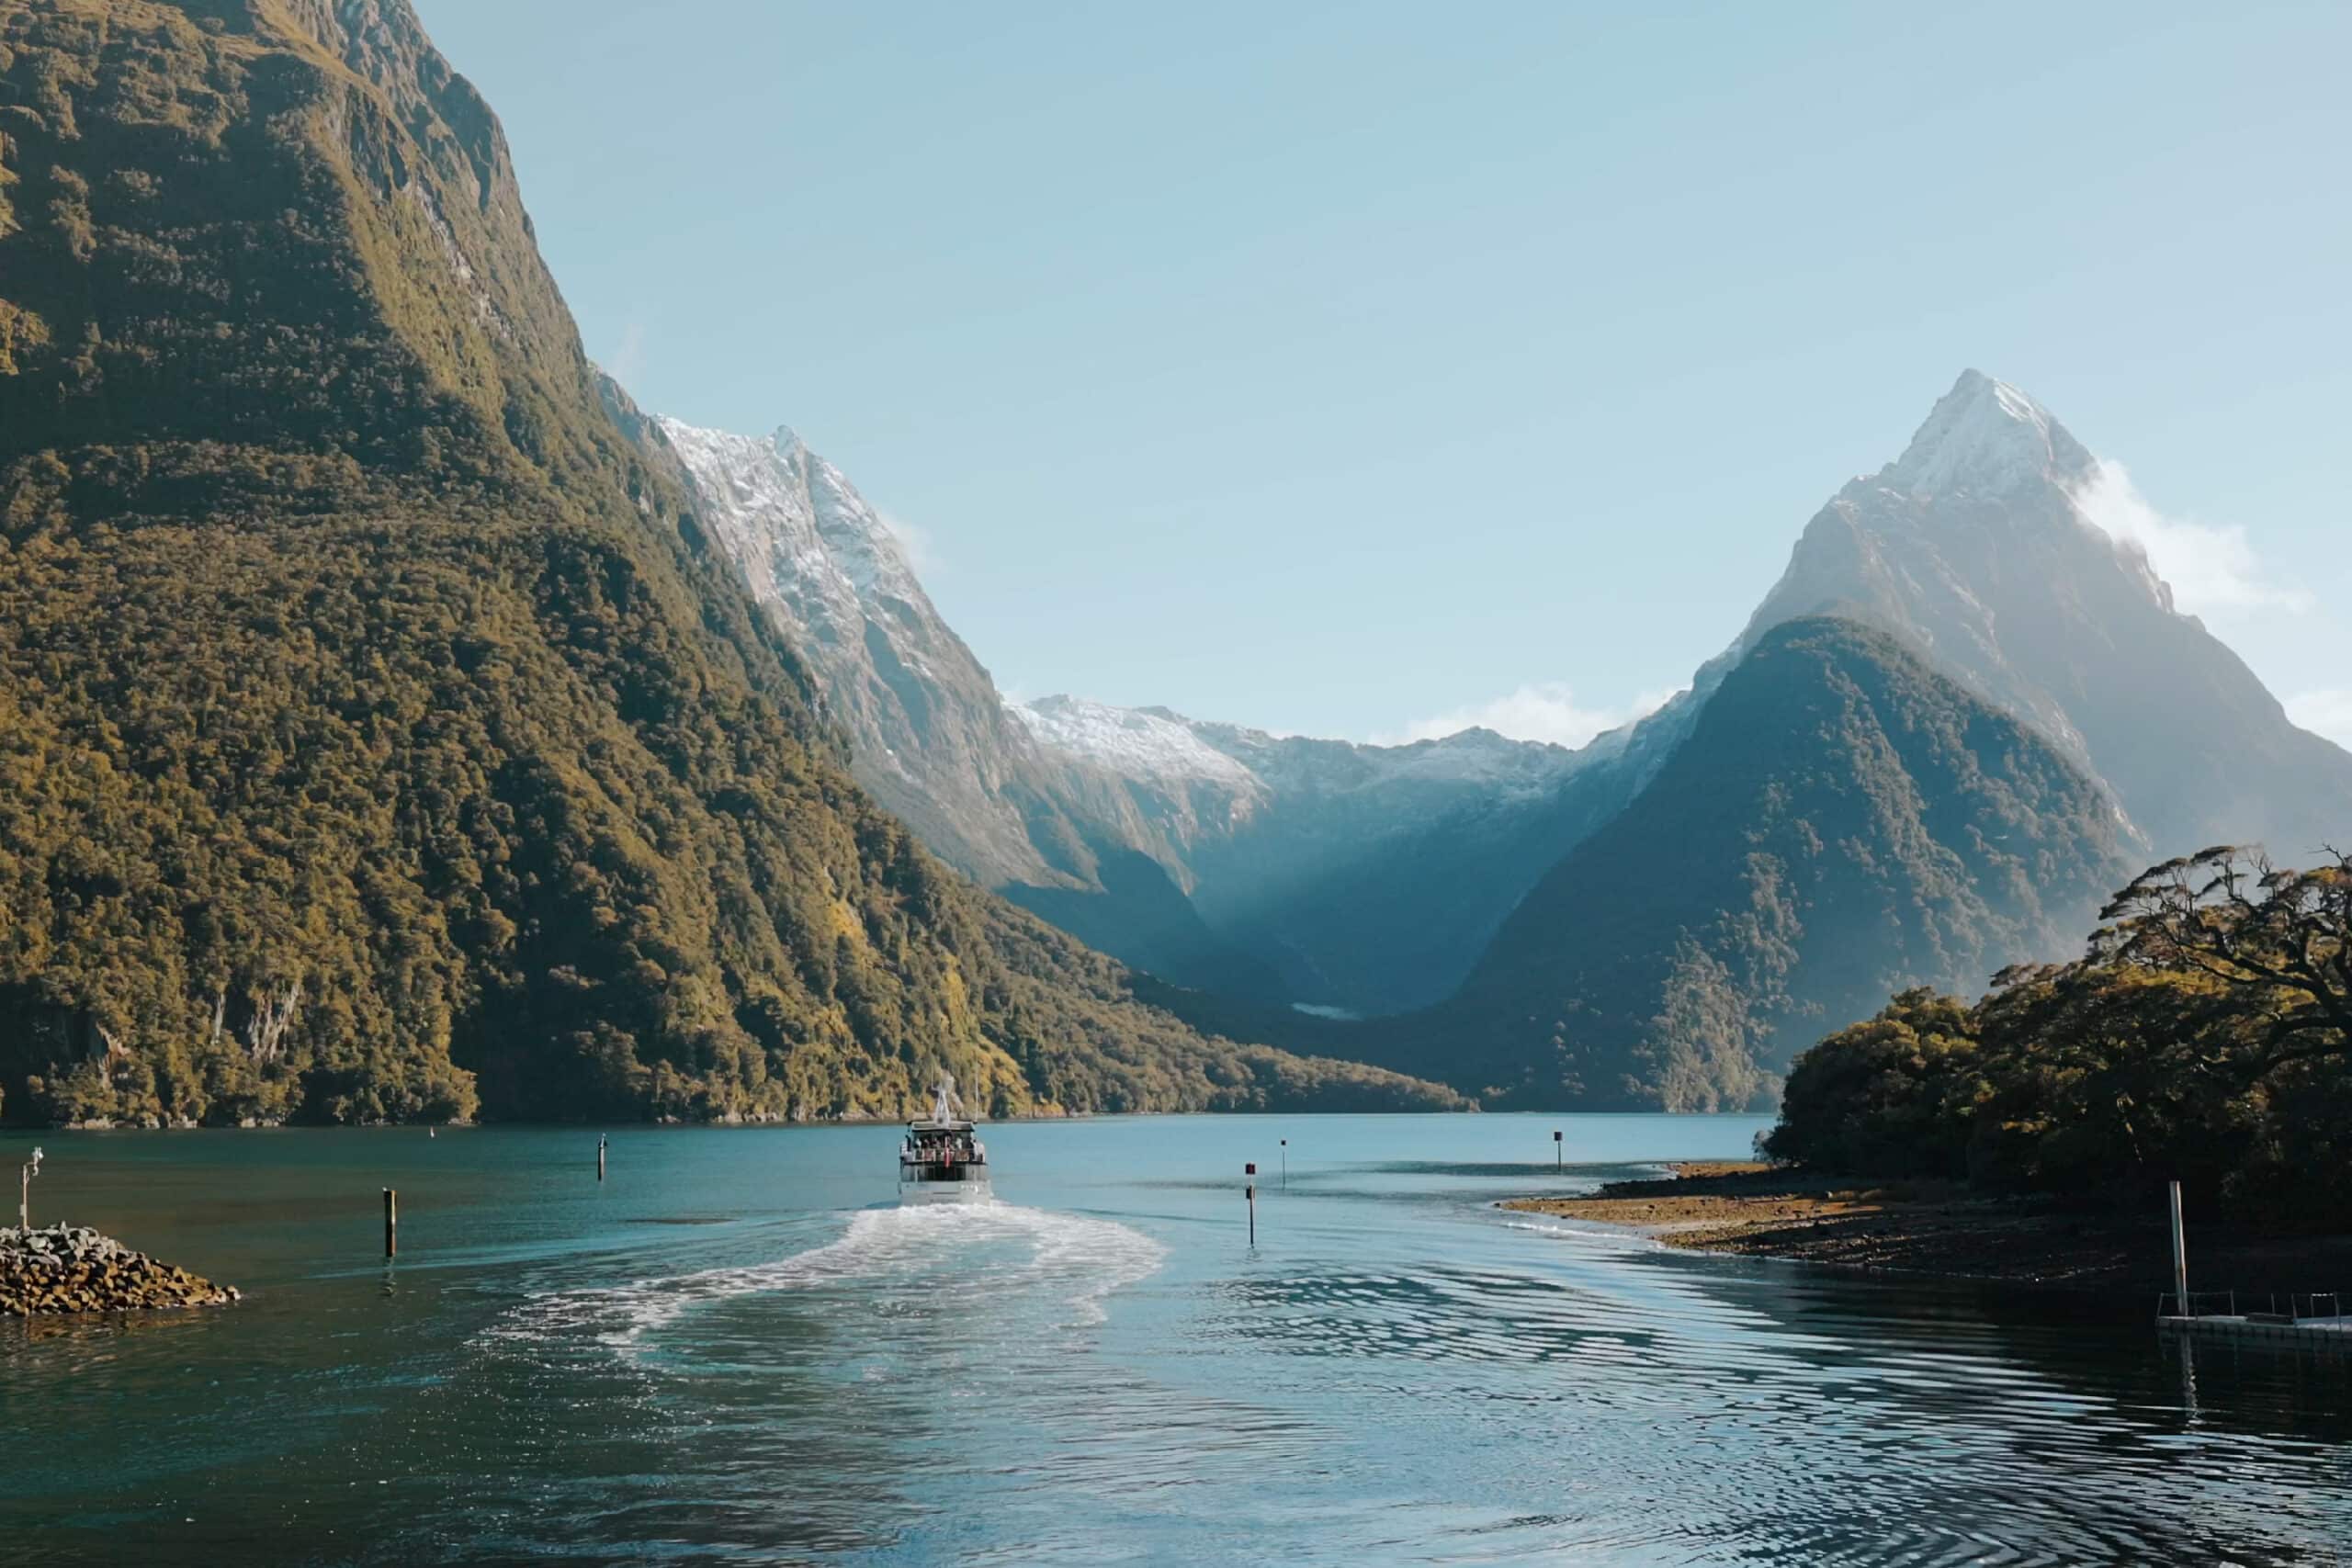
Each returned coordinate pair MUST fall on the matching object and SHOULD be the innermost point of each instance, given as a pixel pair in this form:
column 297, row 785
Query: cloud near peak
column 2211, row 568
column 915, row 542
column 2327, row 712
column 1540, row 710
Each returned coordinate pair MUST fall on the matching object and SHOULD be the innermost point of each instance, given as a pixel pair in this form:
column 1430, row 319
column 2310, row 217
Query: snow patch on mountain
column 1988, row 438
column 808, row 541
column 1134, row 743
column 1157, row 746
column 928, row 732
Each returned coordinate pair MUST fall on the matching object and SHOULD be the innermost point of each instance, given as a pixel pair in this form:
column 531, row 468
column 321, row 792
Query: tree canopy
column 2204, row 1036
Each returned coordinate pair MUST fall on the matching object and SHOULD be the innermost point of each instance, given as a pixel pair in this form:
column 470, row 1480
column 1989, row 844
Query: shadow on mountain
column 1142, row 916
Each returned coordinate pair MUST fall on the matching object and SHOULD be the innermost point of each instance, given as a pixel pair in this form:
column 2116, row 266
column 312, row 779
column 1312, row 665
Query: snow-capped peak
column 774, row 498
column 1987, row 437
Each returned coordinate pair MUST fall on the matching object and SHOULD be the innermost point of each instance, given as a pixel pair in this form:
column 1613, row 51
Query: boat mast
column 945, row 1104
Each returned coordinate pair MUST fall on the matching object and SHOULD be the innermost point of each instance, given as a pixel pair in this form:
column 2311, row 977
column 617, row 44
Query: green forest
column 377, row 740
column 2205, row 1035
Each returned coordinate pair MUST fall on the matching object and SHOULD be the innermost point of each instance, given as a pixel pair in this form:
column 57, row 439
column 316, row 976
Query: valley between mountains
column 1963, row 718
column 397, row 723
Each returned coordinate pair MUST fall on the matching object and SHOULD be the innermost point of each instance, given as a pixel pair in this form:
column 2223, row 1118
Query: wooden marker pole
column 2179, row 1257
column 1250, row 1191
column 1557, row 1156
column 392, row 1222
column 1286, row 1164
column 600, row 1156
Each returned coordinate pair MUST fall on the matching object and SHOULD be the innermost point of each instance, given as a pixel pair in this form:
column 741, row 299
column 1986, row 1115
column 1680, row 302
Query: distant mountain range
column 1960, row 715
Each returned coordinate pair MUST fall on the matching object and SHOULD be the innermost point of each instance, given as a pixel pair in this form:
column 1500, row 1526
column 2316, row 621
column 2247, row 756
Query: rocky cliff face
column 929, row 735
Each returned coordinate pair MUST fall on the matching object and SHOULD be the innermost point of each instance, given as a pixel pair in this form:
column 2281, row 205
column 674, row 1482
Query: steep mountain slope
column 930, row 736
column 1976, row 546
column 380, row 734
column 1842, row 821
column 1363, row 878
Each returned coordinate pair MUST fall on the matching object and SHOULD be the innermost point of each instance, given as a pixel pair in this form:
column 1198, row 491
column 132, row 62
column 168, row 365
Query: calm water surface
column 740, row 1348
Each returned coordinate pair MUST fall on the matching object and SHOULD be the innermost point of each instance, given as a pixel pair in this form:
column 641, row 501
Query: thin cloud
column 2326, row 712
column 1541, row 710
column 630, row 357
column 915, row 542
column 2211, row 568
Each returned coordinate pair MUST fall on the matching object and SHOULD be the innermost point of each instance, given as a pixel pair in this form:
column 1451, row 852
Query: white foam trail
column 1079, row 1258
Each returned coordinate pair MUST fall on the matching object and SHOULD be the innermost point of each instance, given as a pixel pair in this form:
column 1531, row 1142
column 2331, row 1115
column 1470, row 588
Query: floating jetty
column 2301, row 1325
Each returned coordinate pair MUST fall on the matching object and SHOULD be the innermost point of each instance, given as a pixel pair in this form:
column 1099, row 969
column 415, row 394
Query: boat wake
column 1015, row 1257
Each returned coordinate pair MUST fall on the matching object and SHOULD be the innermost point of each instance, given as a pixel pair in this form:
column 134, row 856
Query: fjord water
column 742, row 1347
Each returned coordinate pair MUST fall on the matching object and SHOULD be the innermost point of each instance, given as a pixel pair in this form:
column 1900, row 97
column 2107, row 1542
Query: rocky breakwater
column 73, row 1269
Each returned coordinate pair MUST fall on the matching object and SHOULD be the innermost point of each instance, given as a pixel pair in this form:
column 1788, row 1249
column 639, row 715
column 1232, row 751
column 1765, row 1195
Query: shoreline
column 1940, row 1232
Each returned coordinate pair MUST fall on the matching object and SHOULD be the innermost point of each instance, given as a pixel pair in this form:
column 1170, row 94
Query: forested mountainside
column 1842, row 822
column 381, row 736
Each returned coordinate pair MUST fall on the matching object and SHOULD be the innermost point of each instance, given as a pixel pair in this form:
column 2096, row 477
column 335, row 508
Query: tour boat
column 943, row 1152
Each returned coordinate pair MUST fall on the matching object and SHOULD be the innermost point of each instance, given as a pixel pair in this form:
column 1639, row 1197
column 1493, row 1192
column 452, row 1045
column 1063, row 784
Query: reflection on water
column 744, row 1349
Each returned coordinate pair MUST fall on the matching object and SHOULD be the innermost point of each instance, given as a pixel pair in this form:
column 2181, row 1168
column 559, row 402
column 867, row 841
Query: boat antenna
column 944, row 1105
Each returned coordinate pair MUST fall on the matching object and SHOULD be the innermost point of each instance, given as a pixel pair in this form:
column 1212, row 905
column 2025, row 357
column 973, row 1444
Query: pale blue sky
column 1339, row 368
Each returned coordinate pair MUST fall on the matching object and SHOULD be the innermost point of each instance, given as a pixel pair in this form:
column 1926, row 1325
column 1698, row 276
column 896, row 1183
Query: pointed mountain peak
column 1987, row 437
